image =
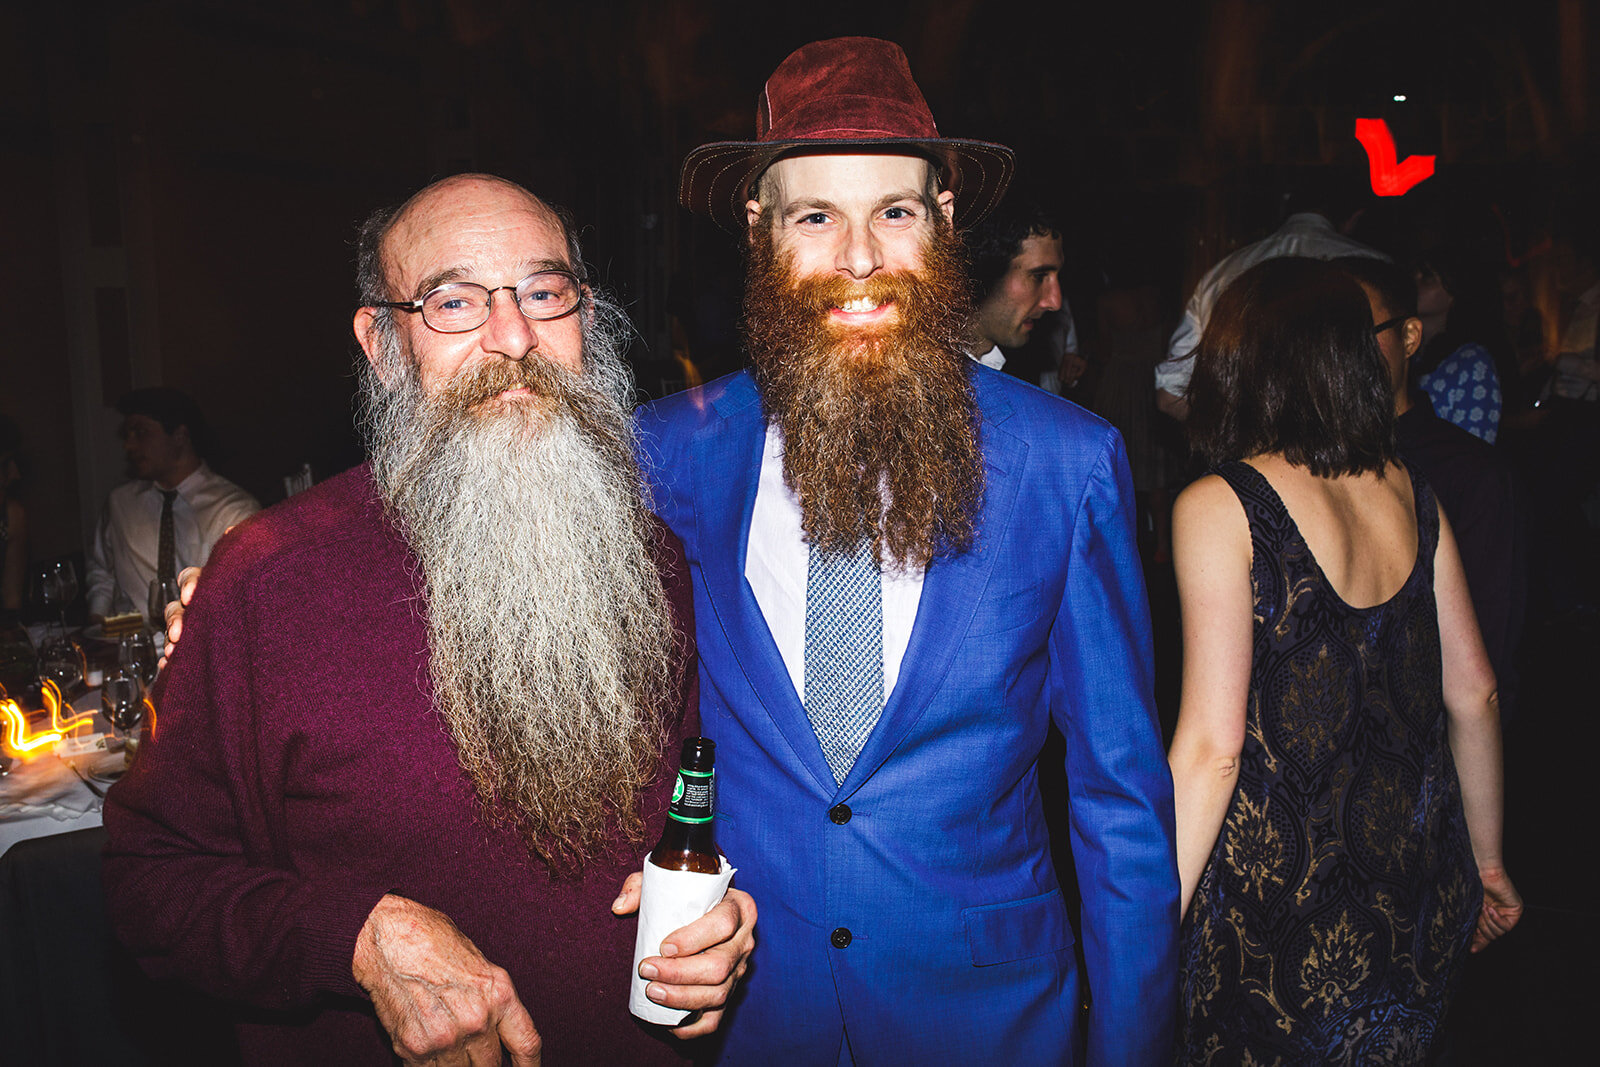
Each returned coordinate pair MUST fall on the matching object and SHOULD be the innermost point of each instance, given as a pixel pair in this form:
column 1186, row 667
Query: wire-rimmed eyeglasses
column 457, row 307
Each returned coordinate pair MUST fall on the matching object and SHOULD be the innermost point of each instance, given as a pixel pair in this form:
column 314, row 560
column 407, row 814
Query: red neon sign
column 1390, row 178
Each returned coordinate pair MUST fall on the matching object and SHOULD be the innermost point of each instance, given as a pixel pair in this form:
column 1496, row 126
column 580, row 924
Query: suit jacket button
column 840, row 938
column 839, row 813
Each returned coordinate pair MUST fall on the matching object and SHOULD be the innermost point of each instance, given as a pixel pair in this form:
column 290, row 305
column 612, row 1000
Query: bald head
column 431, row 206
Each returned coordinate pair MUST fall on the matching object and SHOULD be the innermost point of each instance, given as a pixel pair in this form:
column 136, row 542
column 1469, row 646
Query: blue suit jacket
column 915, row 906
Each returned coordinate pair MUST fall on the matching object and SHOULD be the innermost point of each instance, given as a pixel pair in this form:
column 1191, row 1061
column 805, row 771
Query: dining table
column 61, row 788
column 69, row 992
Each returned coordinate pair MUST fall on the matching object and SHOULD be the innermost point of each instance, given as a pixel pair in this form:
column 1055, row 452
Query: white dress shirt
column 122, row 558
column 994, row 359
column 1305, row 234
column 775, row 565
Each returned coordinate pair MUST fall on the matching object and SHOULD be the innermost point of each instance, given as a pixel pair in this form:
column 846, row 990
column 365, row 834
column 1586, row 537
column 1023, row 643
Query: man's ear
column 752, row 213
column 947, row 204
column 370, row 337
column 1411, row 335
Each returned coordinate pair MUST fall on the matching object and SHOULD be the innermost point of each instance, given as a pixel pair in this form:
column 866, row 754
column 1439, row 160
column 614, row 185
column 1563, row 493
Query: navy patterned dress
column 1339, row 900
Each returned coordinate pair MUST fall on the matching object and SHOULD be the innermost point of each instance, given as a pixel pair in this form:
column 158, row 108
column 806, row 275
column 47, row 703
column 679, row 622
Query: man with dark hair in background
column 1014, row 256
column 1473, row 481
column 172, row 513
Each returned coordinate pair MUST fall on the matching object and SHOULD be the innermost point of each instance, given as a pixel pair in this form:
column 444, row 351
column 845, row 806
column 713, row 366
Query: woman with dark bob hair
column 1336, row 764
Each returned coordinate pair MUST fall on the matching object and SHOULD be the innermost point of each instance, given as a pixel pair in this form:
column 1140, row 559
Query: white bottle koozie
column 671, row 900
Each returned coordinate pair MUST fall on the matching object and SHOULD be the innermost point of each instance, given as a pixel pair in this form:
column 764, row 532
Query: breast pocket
column 1000, row 933
column 1003, row 610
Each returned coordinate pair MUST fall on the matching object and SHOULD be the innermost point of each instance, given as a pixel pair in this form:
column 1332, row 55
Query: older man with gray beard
column 424, row 712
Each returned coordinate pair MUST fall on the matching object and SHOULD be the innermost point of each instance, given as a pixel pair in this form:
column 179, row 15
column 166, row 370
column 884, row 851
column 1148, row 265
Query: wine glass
column 122, row 700
column 163, row 591
column 47, row 588
column 62, row 661
column 122, row 704
column 67, row 580
column 136, row 655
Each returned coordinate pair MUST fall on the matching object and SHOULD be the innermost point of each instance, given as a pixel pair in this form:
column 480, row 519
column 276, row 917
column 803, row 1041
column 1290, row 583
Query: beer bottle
column 688, row 841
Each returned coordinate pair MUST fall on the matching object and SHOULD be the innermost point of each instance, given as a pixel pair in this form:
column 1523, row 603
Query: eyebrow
column 462, row 271
column 802, row 207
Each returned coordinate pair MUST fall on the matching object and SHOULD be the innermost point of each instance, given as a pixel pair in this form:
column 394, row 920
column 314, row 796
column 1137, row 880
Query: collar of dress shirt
column 994, row 359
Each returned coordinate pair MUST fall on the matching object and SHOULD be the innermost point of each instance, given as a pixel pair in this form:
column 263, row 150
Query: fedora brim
column 716, row 177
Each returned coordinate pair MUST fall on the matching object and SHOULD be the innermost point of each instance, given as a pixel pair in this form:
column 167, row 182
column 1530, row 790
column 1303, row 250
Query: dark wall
column 224, row 153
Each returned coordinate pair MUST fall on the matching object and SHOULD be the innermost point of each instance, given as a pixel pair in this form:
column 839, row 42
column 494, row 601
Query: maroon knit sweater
column 297, row 772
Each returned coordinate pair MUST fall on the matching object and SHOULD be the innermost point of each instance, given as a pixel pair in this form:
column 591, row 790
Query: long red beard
column 880, row 427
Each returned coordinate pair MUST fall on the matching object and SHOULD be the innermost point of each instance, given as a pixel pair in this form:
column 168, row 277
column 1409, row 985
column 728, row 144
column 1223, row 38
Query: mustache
column 822, row 293
column 487, row 381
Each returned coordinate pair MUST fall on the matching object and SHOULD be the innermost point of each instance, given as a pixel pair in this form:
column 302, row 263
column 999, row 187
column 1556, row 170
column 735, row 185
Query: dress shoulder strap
column 1427, row 509
column 1262, row 505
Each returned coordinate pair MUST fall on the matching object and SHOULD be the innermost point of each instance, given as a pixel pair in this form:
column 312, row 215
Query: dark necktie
column 844, row 653
column 167, row 550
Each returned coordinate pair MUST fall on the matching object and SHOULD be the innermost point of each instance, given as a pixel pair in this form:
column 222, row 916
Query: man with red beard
column 904, row 566
column 426, row 712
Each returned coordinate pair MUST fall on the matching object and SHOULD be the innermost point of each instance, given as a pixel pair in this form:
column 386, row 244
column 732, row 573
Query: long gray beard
column 553, row 648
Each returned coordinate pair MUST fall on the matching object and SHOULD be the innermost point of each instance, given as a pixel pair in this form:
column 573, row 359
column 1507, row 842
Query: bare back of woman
column 1361, row 529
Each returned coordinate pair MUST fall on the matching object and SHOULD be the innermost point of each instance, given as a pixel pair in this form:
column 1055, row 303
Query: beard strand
column 880, row 429
column 554, row 657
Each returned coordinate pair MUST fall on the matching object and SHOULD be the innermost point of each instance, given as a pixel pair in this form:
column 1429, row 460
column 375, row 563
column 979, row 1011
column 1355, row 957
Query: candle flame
column 20, row 742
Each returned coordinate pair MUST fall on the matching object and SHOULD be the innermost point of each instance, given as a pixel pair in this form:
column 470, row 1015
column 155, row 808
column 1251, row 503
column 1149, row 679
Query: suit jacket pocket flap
column 1000, row 933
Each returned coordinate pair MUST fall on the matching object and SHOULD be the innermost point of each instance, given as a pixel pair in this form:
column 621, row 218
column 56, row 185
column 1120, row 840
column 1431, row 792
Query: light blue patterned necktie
column 844, row 652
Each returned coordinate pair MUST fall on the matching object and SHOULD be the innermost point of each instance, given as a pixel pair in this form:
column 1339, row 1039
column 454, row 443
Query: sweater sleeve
column 199, row 881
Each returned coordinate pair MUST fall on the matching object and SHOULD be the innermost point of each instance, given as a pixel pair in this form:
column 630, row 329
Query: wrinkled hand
column 700, row 963
column 439, row 1000
column 1502, row 907
column 188, row 578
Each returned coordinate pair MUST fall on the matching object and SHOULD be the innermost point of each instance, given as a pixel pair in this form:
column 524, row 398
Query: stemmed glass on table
column 136, row 655
column 122, row 704
column 56, row 586
column 60, row 658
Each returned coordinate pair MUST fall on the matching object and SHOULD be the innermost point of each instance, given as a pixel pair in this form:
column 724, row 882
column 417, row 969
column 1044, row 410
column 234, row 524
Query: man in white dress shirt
column 175, row 505
column 1305, row 233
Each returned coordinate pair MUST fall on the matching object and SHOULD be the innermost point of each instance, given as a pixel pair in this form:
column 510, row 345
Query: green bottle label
column 693, row 797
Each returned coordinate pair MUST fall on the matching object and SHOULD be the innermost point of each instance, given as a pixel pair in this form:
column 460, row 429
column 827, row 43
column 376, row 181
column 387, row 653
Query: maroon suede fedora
column 849, row 92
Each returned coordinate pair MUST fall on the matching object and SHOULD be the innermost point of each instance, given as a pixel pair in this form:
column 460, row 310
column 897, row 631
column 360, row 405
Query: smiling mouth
column 863, row 310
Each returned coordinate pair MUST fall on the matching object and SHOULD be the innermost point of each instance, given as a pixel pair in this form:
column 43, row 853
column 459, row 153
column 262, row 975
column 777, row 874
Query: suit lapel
column 727, row 458
column 950, row 593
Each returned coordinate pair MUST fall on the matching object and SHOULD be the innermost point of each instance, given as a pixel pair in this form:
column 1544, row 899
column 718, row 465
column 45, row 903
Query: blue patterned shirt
column 1465, row 390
